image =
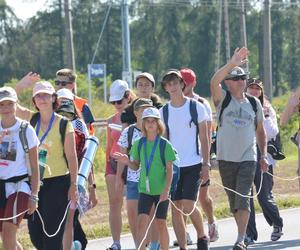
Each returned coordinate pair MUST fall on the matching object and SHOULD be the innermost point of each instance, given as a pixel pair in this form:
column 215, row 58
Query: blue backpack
column 162, row 148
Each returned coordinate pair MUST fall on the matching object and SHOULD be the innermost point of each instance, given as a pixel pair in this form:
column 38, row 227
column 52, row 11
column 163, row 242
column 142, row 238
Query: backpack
column 194, row 119
column 225, row 103
column 24, row 142
column 162, row 148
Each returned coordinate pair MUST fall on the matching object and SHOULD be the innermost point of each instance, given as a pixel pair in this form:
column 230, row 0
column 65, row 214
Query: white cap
column 8, row 94
column 151, row 112
column 65, row 93
column 117, row 90
column 43, row 87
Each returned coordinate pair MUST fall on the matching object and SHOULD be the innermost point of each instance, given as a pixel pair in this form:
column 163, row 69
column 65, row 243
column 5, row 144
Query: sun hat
column 65, row 93
column 43, row 87
column 151, row 112
column 8, row 94
column 117, row 90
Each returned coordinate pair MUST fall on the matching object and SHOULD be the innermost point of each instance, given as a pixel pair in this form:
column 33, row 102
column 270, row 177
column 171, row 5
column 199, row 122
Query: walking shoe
column 248, row 241
column 202, row 243
column 189, row 241
column 239, row 246
column 76, row 245
column 114, row 246
column 277, row 233
column 213, row 232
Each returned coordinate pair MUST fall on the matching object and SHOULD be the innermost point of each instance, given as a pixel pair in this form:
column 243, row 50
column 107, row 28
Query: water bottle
column 76, row 245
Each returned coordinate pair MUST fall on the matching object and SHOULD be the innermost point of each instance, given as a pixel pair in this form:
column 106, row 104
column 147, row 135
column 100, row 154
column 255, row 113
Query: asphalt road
column 227, row 229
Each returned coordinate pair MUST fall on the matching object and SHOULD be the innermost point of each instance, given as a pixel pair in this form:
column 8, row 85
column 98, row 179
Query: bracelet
column 207, row 164
column 93, row 186
column 73, row 183
column 34, row 198
column 264, row 157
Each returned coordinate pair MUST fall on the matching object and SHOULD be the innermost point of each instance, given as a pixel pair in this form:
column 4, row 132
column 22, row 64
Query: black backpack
column 194, row 119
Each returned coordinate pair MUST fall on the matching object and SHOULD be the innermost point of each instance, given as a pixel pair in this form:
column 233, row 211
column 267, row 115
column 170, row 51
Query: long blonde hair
column 160, row 127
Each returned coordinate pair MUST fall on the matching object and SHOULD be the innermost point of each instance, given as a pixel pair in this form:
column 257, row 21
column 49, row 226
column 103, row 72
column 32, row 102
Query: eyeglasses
column 62, row 83
column 117, row 102
column 237, row 78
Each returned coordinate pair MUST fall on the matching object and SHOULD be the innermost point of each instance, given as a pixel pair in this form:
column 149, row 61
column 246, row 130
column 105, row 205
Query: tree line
column 164, row 34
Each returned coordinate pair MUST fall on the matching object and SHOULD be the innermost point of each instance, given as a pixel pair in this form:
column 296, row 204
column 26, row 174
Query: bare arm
column 169, row 175
column 291, row 108
column 239, row 58
column 35, row 178
column 204, row 149
column 70, row 151
column 124, row 159
column 261, row 140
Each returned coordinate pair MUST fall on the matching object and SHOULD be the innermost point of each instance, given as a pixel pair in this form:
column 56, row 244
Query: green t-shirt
column 157, row 174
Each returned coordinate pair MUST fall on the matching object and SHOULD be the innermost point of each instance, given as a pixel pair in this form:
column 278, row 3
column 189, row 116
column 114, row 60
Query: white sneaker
column 213, row 232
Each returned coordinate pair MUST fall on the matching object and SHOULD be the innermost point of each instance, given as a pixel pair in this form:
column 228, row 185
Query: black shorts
column 188, row 184
column 146, row 202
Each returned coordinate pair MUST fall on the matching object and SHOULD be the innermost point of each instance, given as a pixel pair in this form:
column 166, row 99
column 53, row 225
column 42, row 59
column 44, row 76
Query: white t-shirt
column 12, row 156
column 183, row 132
column 132, row 175
column 206, row 105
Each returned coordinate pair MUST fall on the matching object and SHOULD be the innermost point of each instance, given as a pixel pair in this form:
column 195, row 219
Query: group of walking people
column 39, row 162
column 158, row 153
column 138, row 158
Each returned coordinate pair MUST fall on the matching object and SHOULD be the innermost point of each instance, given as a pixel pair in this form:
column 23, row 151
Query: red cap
column 188, row 76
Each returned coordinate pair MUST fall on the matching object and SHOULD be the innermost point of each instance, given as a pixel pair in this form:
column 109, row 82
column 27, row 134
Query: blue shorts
column 132, row 190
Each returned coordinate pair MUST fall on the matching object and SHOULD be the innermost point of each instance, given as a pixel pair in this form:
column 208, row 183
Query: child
column 155, row 178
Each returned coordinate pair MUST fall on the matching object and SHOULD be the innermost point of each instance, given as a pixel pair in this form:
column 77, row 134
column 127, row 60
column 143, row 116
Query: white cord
column 13, row 217
column 284, row 179
column 60, row 224
column 242, row 195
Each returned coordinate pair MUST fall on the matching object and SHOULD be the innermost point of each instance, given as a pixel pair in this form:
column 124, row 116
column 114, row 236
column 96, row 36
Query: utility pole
column 61, row 34
column 267, row 52
column 69, row 36
column 243, row 29
column 127, row 73
column 218, row 40
column 227, row 33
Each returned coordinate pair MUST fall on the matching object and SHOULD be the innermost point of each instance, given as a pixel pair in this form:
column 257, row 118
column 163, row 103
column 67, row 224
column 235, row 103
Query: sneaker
column 248, row 241
column 213, row 232
column 76, row 245
column 277, row 233
column 114, row 246
column 202, row 243
column 189, row 241
column 239, row 246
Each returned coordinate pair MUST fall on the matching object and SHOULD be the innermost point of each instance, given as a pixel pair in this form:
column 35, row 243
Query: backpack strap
column 225, row 104
column 194, row 119
column 24, row 142
column 34, row 119
column 254, row 107
column 62, row 130
column 129, row 136
column 165, row 110
column 162, row 149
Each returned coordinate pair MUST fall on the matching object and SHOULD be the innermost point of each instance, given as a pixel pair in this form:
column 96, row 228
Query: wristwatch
column 93, row 186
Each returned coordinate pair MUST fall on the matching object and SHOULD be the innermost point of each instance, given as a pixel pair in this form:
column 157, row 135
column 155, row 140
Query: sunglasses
column 237, row 78
column 254, row 80
column 62, row 83
column 117, row 102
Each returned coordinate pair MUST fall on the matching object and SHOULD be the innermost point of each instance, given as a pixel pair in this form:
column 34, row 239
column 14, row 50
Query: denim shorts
column 132, row 190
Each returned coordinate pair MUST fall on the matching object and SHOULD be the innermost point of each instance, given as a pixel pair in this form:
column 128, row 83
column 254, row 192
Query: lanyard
column 38, row 126
column 148, row 163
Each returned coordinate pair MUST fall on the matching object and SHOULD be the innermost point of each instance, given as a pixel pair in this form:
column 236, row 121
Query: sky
column 25, row 9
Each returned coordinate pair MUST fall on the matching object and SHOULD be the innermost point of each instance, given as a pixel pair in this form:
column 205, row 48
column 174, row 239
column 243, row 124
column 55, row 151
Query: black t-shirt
column 128, row 116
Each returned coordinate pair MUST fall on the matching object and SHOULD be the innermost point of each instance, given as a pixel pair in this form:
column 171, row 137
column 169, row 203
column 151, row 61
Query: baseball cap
column 147, row 76
column 67, row 106
column 117, row 90
column 142, row 102
column 173, row 72
column 151, row 112
column 236, row 71
column 188, row 76
column 254, row 81
column 65, row 75
column 65, row 93
column 43, row 87
column 8, row 94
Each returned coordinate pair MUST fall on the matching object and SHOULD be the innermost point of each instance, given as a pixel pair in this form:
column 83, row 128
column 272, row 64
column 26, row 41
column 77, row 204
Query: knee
column 161, row 224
